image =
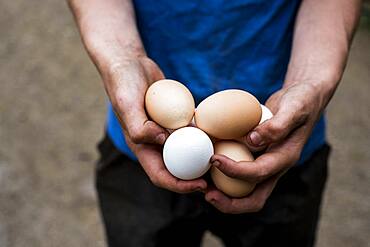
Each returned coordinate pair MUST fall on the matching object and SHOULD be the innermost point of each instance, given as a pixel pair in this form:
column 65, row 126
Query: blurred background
column 52, row 107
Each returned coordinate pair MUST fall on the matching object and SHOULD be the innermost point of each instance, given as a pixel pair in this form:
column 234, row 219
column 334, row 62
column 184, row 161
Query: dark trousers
column 136, row 213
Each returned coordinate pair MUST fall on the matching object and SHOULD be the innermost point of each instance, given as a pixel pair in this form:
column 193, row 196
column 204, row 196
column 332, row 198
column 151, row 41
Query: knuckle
column 302, row 112
column 136, row 135
column 276, row 128
column 117, row 100
column 230, row 170
column 302, row 117
column 261, row 174
column 297, row 105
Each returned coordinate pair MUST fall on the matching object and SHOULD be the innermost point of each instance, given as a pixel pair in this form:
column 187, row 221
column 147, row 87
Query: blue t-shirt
column 219, row 44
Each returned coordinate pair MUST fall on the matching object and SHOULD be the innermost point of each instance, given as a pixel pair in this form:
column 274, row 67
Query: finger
column 251, row 148
column 230, row 167
column 278, row 127
column 257, row 199
column 153, row 72
column 218, row 200
column 256, row 171
column 127, row 94
column 151, row 160
column 140, row 130
column 276, row 158
column 167, row 181
column 252, row 203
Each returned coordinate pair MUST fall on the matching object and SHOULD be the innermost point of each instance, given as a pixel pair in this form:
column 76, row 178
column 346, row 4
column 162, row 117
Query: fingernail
column 215, row 163
column 161, row 138
column 256, row 138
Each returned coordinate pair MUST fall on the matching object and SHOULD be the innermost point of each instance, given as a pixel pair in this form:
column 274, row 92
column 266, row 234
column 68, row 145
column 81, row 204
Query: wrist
column 323, row 83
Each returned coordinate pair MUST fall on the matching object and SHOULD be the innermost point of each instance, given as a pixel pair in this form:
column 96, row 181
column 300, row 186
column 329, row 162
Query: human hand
column 296, row 108
column 126, row 85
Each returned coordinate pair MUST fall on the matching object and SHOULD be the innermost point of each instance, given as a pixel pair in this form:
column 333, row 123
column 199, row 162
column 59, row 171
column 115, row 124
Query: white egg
column 266, row 114
column 187, row 153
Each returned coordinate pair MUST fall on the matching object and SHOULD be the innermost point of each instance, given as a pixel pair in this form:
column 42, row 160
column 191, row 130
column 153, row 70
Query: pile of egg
column 214, row 127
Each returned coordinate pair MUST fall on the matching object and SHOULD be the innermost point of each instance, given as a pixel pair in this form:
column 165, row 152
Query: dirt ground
column 52, row 108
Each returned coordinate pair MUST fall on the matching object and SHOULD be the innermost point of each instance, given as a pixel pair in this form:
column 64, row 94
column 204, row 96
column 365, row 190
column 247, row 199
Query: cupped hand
column 296, row 109
column 150, row 158
column 126, row 84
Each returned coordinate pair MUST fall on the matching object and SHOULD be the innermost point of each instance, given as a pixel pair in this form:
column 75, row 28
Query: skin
column 323, row 33
column 322, row 37
column 127, row 72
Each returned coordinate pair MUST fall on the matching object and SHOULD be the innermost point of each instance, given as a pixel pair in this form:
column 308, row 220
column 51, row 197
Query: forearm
column 322, row 37
column 108, row 31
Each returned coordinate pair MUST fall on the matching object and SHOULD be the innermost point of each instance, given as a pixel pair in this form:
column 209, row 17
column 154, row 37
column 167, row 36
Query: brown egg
column 170, row 104
column 231, row 186
column 228, row 114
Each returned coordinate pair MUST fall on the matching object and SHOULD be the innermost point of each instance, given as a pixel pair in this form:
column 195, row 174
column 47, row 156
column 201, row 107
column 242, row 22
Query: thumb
column 276, row 128
column 142, row 130
column 126, row 89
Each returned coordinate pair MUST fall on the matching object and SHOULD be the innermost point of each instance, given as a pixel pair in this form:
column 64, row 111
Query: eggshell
column 231, row 186
column 187, row 152
column 266, row 114
column 228, row 114
column 191, row 124
column 170, row 104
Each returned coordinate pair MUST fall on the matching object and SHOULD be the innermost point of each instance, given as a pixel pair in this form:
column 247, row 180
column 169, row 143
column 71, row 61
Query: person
column 290, row 54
